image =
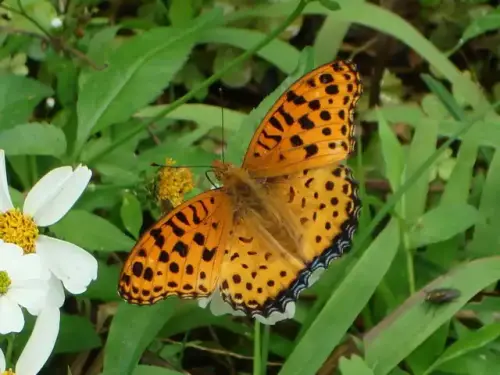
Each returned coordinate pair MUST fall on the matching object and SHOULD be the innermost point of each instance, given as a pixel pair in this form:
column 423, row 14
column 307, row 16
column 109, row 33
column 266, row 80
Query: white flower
column 23, row 282
column 47, row 202
column 50, row 102
column 56, row 22
column 39, row 345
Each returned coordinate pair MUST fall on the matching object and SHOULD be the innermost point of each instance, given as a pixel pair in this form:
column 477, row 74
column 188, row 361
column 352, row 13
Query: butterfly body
column 288, row 211
column 254, row 204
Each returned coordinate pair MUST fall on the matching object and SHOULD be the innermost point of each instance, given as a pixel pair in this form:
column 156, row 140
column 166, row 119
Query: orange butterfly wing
column 255, row 279
column 181, row 254
column 311, row 124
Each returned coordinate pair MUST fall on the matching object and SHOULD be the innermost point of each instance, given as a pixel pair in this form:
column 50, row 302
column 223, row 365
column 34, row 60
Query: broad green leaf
column 76, row 334
column 100, row 47
column 471, row 342
column 18, row 97
column 137, row 73
column 354, row 366
column 131, row 214
column 33, row 139
column 153, row 370
column 131, row 331
column 352, row 294
column 400, row 333
column 104, row 287
column 91, row 232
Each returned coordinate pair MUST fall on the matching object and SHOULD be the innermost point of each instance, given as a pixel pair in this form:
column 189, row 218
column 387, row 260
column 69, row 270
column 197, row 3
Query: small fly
column 440, row 296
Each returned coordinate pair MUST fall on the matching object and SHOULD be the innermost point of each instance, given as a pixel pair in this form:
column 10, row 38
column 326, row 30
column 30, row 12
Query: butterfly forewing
column 181, row 254
column 311, row 124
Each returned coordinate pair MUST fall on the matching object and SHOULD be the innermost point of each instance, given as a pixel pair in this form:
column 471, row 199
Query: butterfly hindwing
column 181, row 254
column 256, row 279
column 310, row 125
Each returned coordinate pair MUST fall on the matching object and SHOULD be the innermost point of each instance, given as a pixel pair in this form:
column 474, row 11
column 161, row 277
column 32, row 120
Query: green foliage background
column 132, row 89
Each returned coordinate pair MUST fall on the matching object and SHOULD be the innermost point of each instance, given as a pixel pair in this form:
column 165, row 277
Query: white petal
column 2, row 361
column 75, row 267
column 53, row 196
column 5, row 201
column 46, row 189
column 41, row 342
column 29, row 293
column 11, row 316
column 28, row 267
column 10, row 254
column 55, row 296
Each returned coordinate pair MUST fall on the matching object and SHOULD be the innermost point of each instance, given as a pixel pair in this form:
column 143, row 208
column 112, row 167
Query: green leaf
column 471, row 342
column 481, row 25
column 422, row 146
column 42, row 11
column 115, row 93
column 91, row 232
column 33, row 139
column 239, row 141
column 104, row 288
column 278, row 52
column 18, row 97
column 76, row 334
column 354, row 366
column 392, row 152
column 352, row 294
column 180, row 12
column 442, row 223
column 131, row 331
column 153, row 370
column 131, row 214
column 400, row 333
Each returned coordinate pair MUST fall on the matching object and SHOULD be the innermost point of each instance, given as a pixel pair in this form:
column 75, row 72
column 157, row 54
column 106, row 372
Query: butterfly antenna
column 209, row 179
column 222, row 131
column 179, row 166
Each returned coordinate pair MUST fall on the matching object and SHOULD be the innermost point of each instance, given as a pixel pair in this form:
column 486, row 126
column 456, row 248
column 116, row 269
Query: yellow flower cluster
column 173, row 182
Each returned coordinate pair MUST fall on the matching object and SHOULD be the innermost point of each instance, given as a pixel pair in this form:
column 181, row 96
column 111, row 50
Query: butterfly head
column 222, row 170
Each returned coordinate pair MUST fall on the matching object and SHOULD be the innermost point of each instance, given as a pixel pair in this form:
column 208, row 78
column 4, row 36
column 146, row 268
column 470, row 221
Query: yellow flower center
column 8, row 372
column 4, row 282
column 173, row 183
column 19, row 229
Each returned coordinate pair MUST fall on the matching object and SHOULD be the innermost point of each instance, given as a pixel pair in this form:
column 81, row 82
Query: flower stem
column 265, row 349
column 257, row 353
column 205, row 84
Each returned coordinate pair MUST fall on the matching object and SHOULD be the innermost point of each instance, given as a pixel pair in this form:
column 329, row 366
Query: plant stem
column 205, row 84
column 257, row 353
column 265, row 348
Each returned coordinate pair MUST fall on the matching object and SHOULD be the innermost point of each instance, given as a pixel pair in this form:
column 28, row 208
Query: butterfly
column 289, row 210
